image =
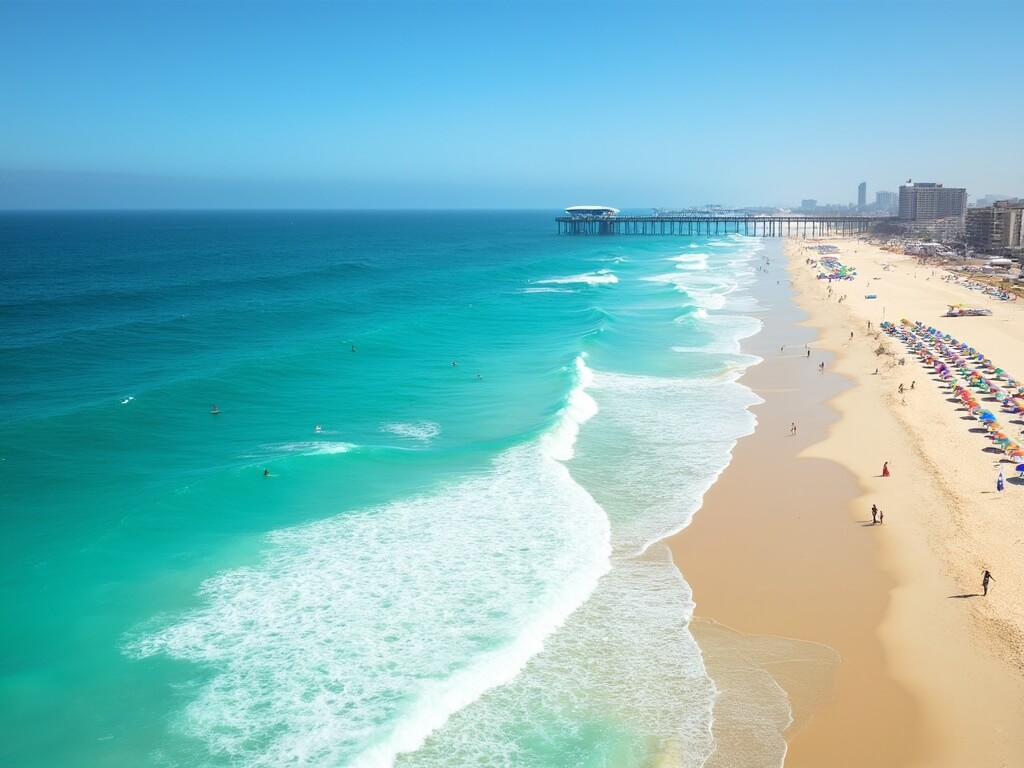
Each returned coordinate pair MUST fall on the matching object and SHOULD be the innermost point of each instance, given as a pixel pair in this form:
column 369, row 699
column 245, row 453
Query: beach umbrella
column 1019, row 468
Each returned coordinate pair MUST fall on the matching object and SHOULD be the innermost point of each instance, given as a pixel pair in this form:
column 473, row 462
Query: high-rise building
column 888, row 202
column 929, row 201
column 862, row 196
column 808, row 204
column 997, row 227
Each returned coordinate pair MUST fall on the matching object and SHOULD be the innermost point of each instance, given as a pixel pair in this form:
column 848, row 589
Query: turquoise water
column 474, row 430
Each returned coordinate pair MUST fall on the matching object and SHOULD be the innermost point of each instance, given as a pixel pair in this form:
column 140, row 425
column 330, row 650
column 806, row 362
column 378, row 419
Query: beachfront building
column 998, row 228
column 808, row 204
column 862, row 196
column 929, row 208
column 929, row 201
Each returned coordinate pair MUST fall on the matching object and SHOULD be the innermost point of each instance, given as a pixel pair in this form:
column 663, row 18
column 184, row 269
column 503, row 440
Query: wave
column 548, row 290
column 423, row 431
column 580, row 407
column 598, row 277
column 691, row 261
column 313, row 448
column 356, row 637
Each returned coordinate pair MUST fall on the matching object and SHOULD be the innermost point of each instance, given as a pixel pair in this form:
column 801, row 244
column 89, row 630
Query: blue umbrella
column 1019, row 468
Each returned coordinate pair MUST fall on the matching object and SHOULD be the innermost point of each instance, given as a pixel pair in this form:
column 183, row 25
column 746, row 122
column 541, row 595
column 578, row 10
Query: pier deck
column 755, row 226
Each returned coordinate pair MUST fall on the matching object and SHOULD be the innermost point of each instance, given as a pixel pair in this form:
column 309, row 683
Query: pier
column 755, row 226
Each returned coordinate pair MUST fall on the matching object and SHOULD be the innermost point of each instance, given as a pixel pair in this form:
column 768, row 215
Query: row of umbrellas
column 972, row 376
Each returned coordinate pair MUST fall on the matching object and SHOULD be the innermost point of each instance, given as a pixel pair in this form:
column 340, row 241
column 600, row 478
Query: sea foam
column 597, row 277
column 356, row 637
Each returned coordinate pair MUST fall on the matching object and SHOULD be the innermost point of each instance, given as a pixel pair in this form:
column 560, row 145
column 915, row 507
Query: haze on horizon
column 426, row 104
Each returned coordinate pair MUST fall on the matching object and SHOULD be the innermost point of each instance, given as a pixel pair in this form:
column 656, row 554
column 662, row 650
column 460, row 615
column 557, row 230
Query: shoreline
column 784, row 544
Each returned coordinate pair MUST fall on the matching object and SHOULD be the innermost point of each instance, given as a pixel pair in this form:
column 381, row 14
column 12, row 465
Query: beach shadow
column 961, row 597
column 1015, row 480
column 866, row 524
column 978, row 430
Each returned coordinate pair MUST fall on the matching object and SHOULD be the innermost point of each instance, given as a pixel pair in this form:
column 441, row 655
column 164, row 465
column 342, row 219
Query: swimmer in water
column 318, row 429
column 266, row 473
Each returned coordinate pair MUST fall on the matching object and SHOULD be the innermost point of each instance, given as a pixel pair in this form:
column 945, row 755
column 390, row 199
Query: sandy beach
column 929, row 671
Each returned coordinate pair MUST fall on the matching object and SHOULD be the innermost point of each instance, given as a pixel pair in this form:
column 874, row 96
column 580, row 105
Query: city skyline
column 524, row 105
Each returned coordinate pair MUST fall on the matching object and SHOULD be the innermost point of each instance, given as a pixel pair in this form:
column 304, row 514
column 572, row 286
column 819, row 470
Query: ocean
column 359, row 488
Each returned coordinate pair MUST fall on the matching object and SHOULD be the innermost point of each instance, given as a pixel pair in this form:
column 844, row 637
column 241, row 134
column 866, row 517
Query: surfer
column 266, row 473
column 215, row 409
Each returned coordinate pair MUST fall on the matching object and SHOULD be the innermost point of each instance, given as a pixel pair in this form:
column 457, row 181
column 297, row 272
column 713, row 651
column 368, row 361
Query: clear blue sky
column 495, row 104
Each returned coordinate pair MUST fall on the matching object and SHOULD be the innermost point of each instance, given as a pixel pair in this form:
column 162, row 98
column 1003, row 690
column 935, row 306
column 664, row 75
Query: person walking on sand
column 874, row 514
column 986, row 577
column 792, row 428
column 999, row 482
column 885, row 469
column 881, row 517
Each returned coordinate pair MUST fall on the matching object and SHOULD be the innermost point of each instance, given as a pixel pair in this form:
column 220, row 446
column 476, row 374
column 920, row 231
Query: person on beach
column 986, row 577
column 913, row 383
column 851, row 335
column 881, row 517
column 999, row 482
column 885, row 469
column 808, row 353
column 792, row 428
column 901, row 389
column 874, row 514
